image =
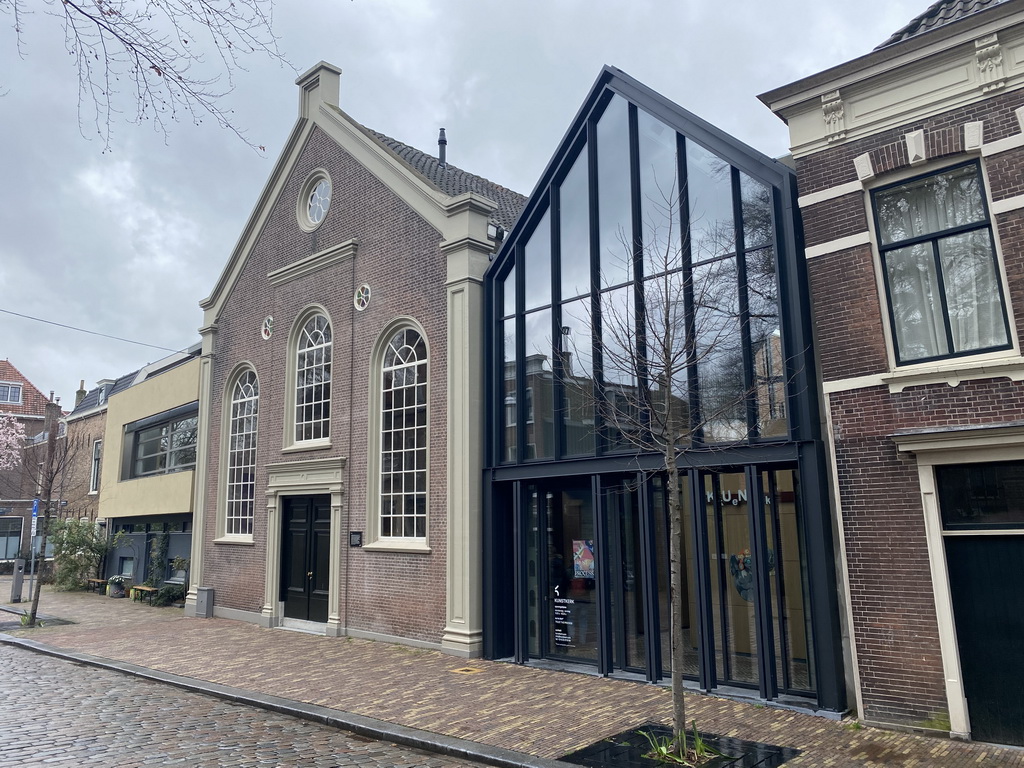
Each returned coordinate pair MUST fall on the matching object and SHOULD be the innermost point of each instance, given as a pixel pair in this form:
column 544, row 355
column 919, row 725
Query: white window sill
column 245, row 541
column 307, row 445
column 413, row 546
column 952, row 372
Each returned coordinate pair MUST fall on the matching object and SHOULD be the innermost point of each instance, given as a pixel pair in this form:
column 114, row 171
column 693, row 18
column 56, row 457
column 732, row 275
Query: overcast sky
column 127, row 242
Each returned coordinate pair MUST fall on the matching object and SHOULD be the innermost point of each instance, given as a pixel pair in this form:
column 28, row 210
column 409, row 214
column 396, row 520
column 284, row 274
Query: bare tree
column 152, row 59
column 671, row 359
column 52, row 464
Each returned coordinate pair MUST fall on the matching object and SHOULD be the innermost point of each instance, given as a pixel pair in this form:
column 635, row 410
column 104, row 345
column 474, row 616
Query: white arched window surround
column 398, row 445
column 307, row 422
column 238, row 462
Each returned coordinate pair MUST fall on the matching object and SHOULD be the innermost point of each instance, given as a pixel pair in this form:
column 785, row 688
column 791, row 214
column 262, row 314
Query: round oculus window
column 319, row 201
column 314, row 201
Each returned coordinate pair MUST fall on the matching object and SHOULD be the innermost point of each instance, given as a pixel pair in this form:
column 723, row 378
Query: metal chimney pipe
column 442, row 145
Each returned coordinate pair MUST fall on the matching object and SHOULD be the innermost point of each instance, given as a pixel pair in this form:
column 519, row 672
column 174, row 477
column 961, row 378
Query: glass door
column 561, row 562
column 626, row 576
column 732, row 578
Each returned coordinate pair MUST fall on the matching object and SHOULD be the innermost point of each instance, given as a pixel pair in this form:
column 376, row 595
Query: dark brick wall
column 892, row 601
column 399, row 257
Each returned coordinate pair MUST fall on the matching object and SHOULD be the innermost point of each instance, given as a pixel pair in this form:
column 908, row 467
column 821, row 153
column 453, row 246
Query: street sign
column 35, row 516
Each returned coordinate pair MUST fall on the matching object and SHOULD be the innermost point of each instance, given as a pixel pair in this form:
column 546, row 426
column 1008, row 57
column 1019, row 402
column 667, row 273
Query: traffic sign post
column 32, row 549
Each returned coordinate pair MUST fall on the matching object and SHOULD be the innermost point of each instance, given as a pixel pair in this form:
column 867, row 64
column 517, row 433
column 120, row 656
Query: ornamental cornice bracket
column 834, row 115
column 989, row 56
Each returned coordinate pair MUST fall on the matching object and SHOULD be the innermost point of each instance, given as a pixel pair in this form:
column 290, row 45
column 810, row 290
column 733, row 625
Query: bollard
column 19, row 576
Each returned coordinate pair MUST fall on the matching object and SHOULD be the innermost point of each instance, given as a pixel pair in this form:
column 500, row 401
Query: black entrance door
column 306, row 557
column 988, row 609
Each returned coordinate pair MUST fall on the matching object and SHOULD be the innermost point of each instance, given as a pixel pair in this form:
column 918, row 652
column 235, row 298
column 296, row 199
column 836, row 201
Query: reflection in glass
column 667, row 358
column 733, row 593
column 613, row 189
column 508, row 452
column 766, row 342
column 621, row 394
column 578, row 377
column 508, row 292
column 539, row 406
column 572, row 561
column 537, row 255
column 709, row 191
column 976, row 496
column 534, row 498
column 719, row 351
column 690, row 613
column 787, row 562
column 622, row 507
column 972, row 291
column 574, row 233
column 659, row 190
column 756, row 202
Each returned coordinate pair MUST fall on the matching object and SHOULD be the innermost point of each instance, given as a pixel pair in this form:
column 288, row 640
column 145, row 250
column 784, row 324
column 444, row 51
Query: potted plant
column 116, row 585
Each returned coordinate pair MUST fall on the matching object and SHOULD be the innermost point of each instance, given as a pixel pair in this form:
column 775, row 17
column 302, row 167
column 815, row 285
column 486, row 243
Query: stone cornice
column 310, row 264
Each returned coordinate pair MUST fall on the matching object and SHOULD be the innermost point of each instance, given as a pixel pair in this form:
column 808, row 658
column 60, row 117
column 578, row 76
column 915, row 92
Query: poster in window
column 583, row 558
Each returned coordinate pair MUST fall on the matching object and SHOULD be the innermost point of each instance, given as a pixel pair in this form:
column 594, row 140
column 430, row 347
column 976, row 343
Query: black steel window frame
column 549, row 202
column 932, row 239
column 133, row 441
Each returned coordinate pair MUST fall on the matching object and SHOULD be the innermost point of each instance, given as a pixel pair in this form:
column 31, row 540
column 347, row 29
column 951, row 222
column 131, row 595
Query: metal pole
column 32, row 547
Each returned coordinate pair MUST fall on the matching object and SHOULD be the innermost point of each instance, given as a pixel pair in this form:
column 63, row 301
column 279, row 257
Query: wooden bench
column 144, row 593
column 96, row 585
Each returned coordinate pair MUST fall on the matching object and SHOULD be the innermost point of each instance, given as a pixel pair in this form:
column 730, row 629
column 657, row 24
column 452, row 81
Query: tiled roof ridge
column 91, row 398
column 24, row 380
column 449, row 179
column 937, row 15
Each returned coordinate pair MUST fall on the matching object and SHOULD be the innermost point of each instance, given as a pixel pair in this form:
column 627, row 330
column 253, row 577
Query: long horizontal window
column 163, row 446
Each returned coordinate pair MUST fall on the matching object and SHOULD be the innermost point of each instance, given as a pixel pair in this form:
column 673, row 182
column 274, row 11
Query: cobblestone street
column 55, row 712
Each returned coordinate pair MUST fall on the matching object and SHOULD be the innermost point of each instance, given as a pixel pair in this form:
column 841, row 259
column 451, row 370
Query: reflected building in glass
column 651, row 292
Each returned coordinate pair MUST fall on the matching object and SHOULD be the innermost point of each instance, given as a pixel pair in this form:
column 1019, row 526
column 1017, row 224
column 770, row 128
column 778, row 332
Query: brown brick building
column 25, row 402
column 909, row 166
column 339, row 468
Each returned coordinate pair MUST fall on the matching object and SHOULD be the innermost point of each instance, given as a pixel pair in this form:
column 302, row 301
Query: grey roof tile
column 450, row 180
column 937, row 15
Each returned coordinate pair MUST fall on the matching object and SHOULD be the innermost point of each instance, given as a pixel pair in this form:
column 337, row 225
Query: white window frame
column 11, row 387
column 377, row 442
column 97, row 459
column 242, row 418
column 952, row 359
column 292, row 423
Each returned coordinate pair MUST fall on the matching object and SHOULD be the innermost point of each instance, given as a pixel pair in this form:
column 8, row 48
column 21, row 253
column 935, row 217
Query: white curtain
column 968, row 272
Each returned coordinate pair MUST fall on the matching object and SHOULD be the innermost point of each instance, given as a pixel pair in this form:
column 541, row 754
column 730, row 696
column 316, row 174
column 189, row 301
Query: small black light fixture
column 355, row 538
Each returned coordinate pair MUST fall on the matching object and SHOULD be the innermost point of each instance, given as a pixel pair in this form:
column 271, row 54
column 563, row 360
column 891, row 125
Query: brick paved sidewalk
column 539, row 712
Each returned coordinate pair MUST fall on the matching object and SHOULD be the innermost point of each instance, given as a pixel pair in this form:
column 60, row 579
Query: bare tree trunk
column 52, row 417
column 677, row 597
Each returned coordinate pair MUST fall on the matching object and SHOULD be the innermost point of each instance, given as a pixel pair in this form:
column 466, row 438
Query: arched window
column 403, row 451
column 241, row 481
column 313, row 380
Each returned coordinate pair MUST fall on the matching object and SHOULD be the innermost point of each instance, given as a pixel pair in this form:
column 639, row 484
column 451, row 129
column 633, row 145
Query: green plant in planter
column 116, row 585
column 691, row 752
